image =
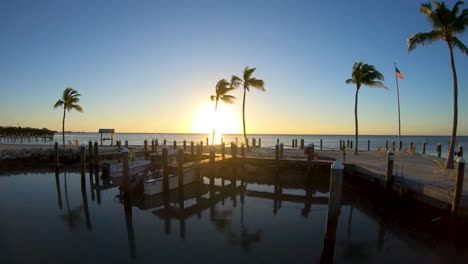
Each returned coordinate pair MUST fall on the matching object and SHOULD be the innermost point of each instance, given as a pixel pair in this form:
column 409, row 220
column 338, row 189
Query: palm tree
column 446, row 24
column 223, row 87
column 249, row 81
column 69, row 101
column 363, row 74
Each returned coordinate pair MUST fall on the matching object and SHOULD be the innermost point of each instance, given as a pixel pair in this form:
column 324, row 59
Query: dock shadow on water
column 232, row 214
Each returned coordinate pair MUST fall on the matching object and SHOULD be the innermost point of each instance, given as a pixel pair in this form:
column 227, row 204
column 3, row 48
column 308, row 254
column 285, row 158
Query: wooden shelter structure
column 110, row 131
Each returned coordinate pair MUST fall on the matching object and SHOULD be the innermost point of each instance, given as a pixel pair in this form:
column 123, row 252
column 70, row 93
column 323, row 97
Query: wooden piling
column 180, row 167
column 411, row 145
column 333, row 212
column 192, row 150
column 90, row 154
column 56, row 151
column 400, row 146
column 83, row 160
column 184, row 145
column 277, row 152
column 347, row 143
column 126, row 169
column 223, row 146
column 201, row 150
column 389, row 171
column 242, row 150
column 96, row 154
column 393, row 143
column 386, row 144
column 152, row 145
column 146, row 148
column 368, row 145
column 293, row 143
column 439, row 150
column 321, row 144
column 341, row 145
column 460, row 151
column 126, row 143
column 259, row 142
column 344, row 154
column 310, row 152
column 254, row 141
column 351, row 144
column 165, row 167
column 156, row 144
column 164, row 142
column 174, row 145
column 424, row 148
column 458, row 187
column 302, row 143
column 281, row 151
column 207, row 141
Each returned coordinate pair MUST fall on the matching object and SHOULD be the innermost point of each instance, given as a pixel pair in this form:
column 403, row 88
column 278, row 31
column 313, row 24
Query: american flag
column 398, row 73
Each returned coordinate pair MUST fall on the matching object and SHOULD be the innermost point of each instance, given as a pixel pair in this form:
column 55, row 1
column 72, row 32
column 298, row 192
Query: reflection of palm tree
column 72, row 217
column 223, row 87
column 69, row 101
column 249, row 81
column 363, row 74
column 446, row 24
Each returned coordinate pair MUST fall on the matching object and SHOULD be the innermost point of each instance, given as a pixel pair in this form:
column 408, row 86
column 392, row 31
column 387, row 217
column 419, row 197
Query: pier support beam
column 333, row 213
column 180, row 167
column 165, row 167
column 389, row 171
column 458, row 187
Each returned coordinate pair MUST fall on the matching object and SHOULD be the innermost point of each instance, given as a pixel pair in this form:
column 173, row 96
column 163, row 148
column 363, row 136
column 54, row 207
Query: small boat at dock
column 135, row 167
column 155, row 185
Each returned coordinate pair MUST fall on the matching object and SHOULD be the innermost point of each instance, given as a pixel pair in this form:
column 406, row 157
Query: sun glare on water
column 225, row 121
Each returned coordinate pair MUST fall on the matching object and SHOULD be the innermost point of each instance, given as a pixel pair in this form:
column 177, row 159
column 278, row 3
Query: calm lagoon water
column 49, row 218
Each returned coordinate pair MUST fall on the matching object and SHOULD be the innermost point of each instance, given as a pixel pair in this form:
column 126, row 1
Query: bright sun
column 225, row 120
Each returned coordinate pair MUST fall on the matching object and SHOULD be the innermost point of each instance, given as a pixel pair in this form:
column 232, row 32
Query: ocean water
column 267, row 140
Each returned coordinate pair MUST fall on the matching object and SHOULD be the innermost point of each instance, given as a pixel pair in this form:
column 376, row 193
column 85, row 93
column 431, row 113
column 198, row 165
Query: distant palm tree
column 446, row 24
column 69, row 101
column 363, row 74
column 249, row 81
column 223, row 87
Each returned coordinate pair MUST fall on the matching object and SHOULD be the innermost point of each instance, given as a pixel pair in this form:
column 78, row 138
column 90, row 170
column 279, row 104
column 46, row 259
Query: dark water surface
column 49, row 219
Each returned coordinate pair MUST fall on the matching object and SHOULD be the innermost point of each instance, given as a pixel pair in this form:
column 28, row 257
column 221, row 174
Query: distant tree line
column 25, row 132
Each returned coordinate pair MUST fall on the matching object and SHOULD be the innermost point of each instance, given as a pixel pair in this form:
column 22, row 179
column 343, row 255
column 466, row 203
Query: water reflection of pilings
column 129, row 223
column 85, row 199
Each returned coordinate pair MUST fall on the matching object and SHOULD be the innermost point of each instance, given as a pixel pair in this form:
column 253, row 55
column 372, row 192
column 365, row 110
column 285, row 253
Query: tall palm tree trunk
column 243, row 120
column 449, row 163
column 356, row 120
column 214, row 128
column 63, row 127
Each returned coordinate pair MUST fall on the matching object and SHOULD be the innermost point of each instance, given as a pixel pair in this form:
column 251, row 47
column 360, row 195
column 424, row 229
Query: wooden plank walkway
column 413, row 172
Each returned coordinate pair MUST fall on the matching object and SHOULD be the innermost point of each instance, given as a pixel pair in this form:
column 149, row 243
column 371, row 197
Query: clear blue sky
column 151, row 66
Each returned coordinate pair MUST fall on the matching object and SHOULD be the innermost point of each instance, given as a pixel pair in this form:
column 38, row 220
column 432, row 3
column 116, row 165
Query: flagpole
column 398, row 98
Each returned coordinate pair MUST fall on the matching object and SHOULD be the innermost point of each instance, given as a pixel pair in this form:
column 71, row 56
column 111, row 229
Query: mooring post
column 386, row 144
column 198, row 155
column 321, row 144
column 439, row 150
column 277, row 141
column 424, row 148
column 152, row 145
column 333, row 212
column 212, row 165
column 344, row 154
column 56, row 151
column 156, row 144
column 458, row 186
column 242, row 150
column 310, row 152
column 165, row 167
column 174, row 146
column 207, row 142
column 259, row 142
column 146, row 148
column 340, row 145
column 126, row 143
column 281, row 150
column 184, row 145
column 201, row 150
column 389, row 171
column 126, row 169
column 223, row 146
column 302, row 143
column 253, row 142
column 164, row 142
column 411, row 145
column 347, row 143
column 90, row 154
column 293, row 143
column 277, row 152
column 351, row 144
column 393, row 143
column 460, row 151
column 83, row 160
column 96, row 154
column 180, row 166
column 368, row 145
column 234, row 151
column 400, row 146
column 192, row 150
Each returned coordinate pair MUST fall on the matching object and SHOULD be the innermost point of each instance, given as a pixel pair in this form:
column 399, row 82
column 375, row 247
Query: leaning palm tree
column 249, row 81
column 446, row 24
column 223, row 87
column 69, row 101
column 363, row 74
